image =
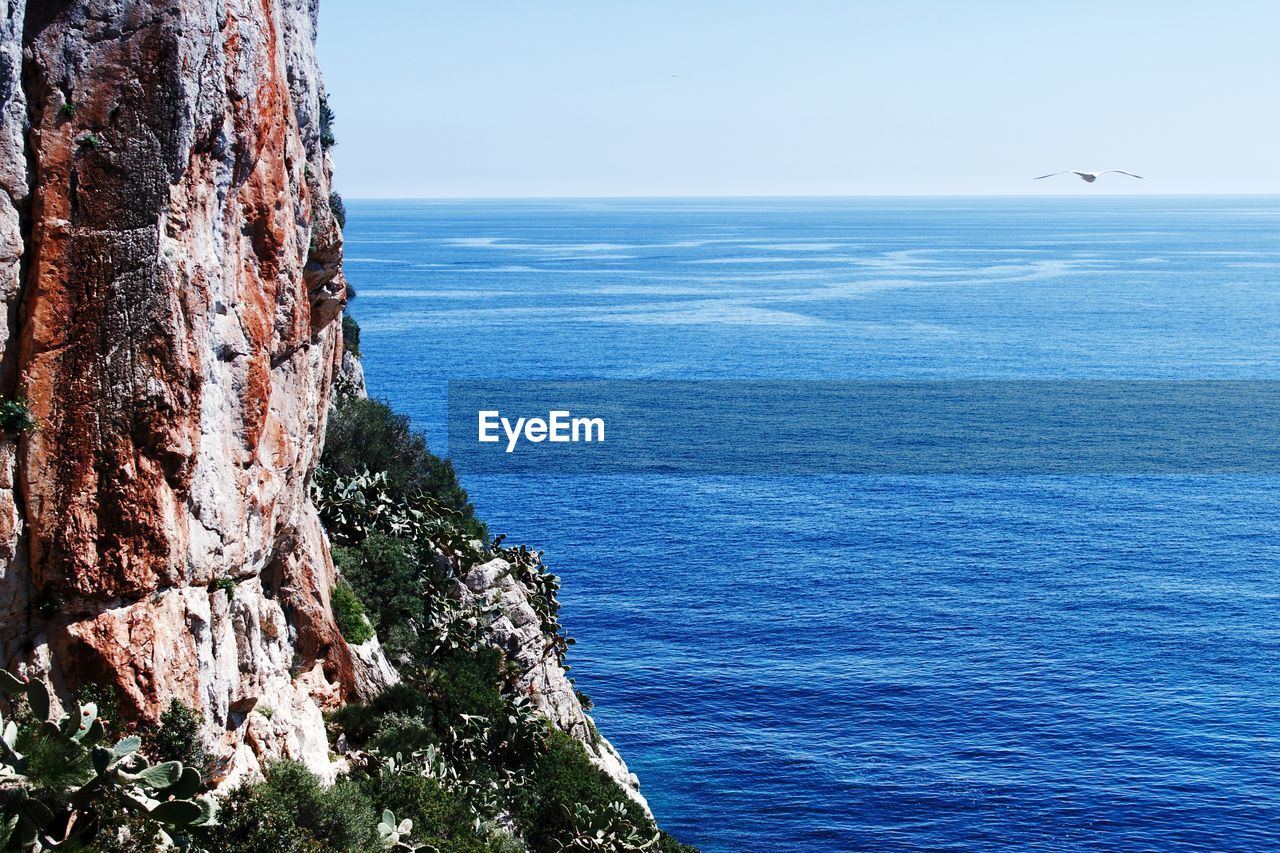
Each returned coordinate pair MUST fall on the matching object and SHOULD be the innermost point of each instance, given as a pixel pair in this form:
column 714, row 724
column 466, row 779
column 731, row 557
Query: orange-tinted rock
column 172, row 275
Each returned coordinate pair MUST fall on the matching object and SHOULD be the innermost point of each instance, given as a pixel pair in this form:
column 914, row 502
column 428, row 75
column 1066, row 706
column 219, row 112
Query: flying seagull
column 1089, row 177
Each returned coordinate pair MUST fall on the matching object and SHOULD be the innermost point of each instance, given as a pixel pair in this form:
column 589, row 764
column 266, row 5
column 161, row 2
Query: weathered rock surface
column 14, row 192
column 517, row 630
column 170, row 272
column 350, row 378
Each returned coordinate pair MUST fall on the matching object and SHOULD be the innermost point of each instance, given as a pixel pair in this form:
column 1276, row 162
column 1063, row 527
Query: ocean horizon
column 1042, row 196
column 849, row 662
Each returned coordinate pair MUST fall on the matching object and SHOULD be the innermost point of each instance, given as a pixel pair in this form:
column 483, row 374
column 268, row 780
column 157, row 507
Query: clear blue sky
column 470, row 98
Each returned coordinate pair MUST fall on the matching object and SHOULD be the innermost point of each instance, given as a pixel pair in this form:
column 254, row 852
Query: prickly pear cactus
column 395, row 835
column 604, row 831
column 51, row 791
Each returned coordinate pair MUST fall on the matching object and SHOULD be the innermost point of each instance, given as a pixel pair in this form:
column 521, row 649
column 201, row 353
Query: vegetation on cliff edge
column 454, row 748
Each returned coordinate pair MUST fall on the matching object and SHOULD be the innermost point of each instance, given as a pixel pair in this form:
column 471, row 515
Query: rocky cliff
column 170, row 272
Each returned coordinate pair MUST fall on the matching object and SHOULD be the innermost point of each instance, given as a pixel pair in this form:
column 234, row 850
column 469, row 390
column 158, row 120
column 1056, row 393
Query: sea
column 831, row 662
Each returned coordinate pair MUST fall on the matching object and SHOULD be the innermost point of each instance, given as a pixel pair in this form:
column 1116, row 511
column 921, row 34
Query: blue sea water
column 825, row 663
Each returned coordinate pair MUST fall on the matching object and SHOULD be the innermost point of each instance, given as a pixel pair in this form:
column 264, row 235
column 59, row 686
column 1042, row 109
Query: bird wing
column 1120, row 172
column 1050, row 175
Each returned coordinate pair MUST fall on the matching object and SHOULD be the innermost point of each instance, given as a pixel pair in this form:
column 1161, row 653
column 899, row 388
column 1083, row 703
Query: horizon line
column 802, row 196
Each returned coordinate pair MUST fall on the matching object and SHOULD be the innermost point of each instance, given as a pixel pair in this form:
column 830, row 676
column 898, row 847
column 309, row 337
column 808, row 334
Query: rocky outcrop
column 517, row 629
column 350, row 378
column 170, row 272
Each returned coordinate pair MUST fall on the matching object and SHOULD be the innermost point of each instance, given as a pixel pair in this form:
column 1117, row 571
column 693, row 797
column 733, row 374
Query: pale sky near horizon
column 472, row 98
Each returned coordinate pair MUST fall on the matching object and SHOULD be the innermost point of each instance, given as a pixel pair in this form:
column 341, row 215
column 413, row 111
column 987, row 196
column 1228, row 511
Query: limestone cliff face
column 170, row 277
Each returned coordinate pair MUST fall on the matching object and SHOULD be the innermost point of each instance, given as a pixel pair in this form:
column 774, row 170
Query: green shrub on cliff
column 366, row 435
column 348, row 612
column 178, row 738
column 16, row 417
column 668, row 843
column 327, row 118
column 350, row 333
column 439, row 817
column 227, row 585
column 439, row 696
column 455, row 753
column 360, row 722
column 385, row 571
column 354, row 507
column 564, row 781
column 339, row 209
column 292, row 812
